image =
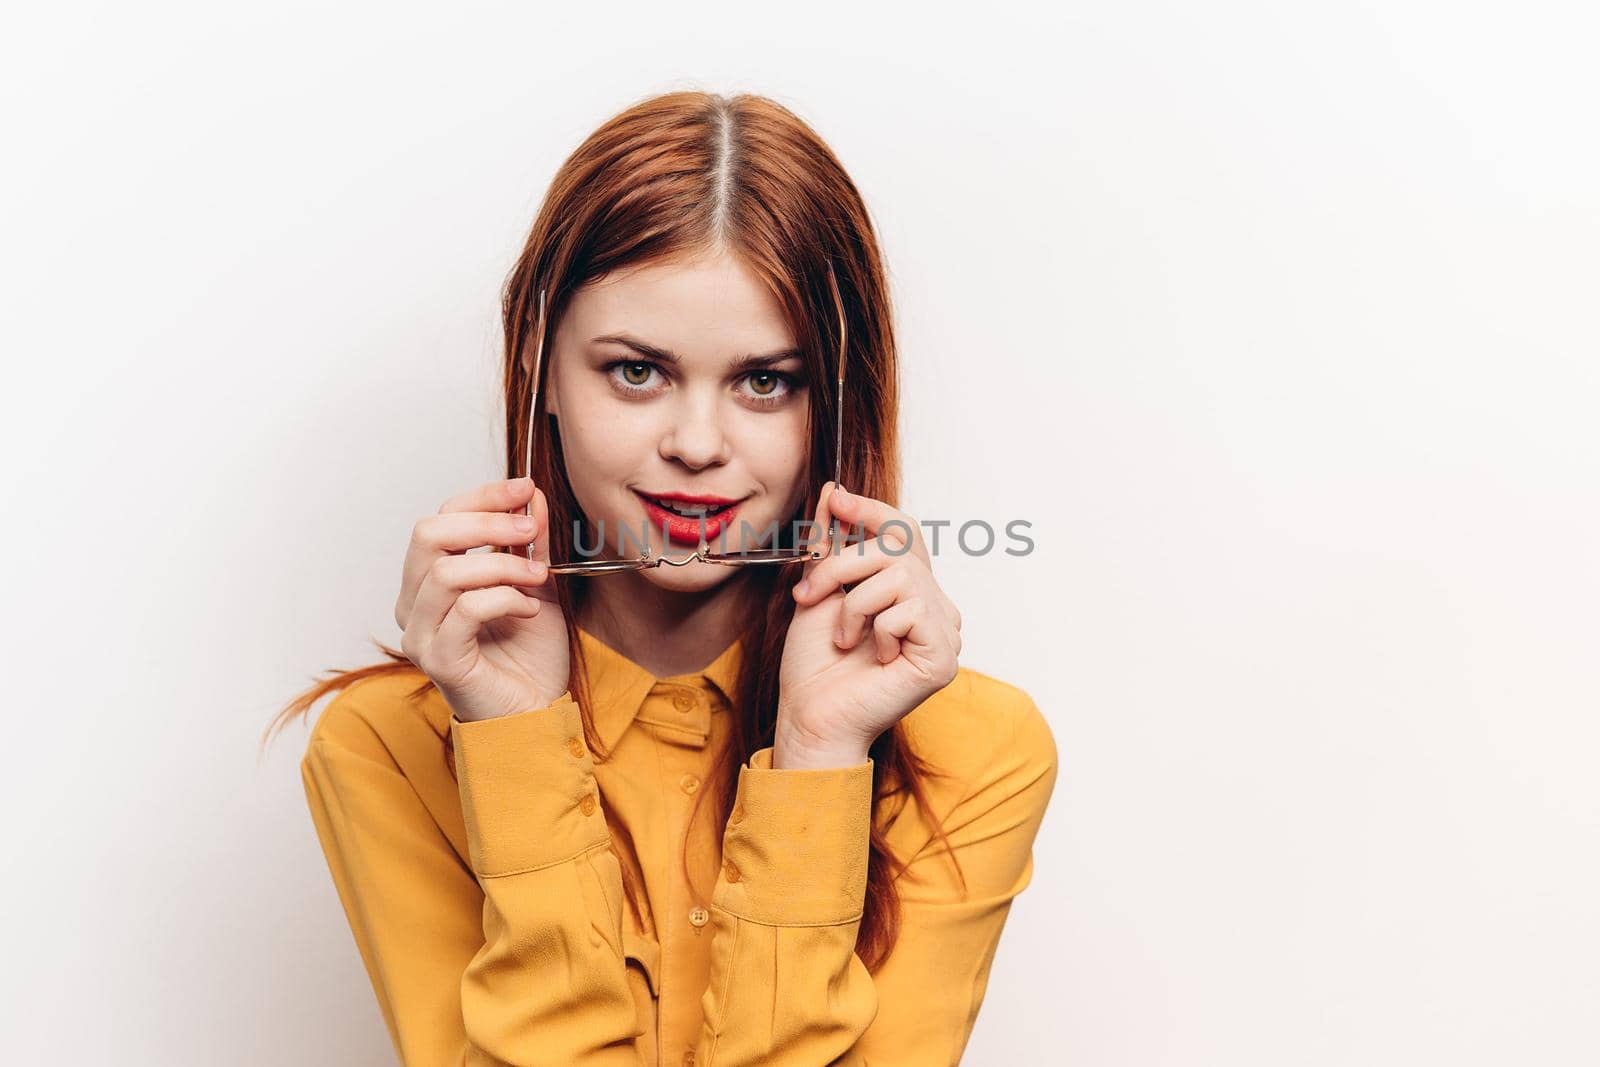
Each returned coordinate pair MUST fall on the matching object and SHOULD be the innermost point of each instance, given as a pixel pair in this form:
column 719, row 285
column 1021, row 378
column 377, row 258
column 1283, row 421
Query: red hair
column 673, row 177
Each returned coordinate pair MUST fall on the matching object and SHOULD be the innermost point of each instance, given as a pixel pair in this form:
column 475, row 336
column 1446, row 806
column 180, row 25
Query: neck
column 664, row 631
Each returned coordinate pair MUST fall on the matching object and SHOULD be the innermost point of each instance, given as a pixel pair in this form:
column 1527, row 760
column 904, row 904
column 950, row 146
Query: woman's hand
column 845, row 680
column 485, row 626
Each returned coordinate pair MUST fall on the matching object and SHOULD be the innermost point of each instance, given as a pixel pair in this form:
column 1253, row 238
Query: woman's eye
column 632, row 376
column 768, row 387
column 636, row 373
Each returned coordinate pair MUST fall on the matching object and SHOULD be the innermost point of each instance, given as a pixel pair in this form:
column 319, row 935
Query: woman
column 691, row 813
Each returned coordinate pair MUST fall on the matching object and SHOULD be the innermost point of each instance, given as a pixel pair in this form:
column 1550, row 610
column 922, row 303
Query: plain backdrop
column 1277, row 321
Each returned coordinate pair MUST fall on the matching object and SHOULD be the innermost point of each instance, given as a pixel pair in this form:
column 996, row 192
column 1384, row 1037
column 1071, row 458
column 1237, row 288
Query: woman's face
column 680, row 381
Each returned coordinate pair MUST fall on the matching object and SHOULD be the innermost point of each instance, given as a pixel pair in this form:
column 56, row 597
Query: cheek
column 776, row 450
column 602, row 453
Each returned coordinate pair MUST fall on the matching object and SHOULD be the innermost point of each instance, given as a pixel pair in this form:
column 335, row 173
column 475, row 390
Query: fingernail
column 524, row 522
column 838, row 636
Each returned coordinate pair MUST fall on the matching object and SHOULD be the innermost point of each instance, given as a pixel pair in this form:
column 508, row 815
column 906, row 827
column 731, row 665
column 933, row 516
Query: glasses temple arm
column 533, row 407
column 838, row 403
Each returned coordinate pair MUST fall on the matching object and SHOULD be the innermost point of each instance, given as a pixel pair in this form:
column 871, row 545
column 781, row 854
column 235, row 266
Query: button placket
column 681, row 716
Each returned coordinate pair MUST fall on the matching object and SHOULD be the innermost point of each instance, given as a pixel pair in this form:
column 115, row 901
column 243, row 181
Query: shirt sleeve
column 932, row 985
column 549, row 983
column 513, row 959
column 789, row 989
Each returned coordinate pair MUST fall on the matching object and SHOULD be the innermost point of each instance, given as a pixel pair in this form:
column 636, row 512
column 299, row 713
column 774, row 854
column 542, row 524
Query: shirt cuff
column 528, row 792
column 796, row 847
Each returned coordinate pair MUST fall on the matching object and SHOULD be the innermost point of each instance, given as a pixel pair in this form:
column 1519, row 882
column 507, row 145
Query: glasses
column 767, row 557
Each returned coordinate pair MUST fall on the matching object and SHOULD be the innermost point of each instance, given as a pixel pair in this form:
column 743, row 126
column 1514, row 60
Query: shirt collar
column 619, row 685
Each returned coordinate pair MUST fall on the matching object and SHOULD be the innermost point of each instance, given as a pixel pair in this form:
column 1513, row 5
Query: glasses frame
column 778, row 557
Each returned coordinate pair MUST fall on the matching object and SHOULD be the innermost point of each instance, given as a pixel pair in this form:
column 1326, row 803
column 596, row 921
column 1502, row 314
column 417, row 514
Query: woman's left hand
column 856, row 662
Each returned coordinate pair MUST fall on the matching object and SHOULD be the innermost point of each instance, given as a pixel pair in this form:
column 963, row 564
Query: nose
column 696, row 437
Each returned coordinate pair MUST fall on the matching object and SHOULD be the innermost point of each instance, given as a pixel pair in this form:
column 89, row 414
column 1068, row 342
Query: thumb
column 539, row 508
column 820, row 519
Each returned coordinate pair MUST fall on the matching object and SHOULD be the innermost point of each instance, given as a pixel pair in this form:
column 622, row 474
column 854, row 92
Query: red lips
column 687, row 529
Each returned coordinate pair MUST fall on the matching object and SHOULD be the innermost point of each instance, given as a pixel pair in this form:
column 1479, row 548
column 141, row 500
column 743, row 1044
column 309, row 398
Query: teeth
column 692, row 511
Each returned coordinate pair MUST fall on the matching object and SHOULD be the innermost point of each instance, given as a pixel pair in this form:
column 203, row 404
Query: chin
column 694, row 577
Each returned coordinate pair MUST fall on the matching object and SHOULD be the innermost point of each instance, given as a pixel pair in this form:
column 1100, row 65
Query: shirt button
column 699, row 916
column 587, row 804
column 575, row 747
column 689, row 783
column 688, row 1058
column 730, row 872
column 683, row 702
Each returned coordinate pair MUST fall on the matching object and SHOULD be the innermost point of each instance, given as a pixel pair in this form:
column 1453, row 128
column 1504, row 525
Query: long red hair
column 671, row 177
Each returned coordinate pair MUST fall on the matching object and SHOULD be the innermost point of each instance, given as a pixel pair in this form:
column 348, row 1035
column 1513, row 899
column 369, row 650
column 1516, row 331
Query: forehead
column 711, row 307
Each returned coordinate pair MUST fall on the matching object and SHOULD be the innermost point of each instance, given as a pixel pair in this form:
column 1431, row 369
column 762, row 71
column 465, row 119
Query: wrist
column 794, row 747
column 536, row 702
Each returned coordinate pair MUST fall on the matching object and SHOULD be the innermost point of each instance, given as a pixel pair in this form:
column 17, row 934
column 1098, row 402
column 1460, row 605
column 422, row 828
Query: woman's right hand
column 486, row 626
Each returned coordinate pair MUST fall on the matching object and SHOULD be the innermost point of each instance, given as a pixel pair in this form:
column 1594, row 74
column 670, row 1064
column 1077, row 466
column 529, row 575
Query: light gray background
column 1277, row 321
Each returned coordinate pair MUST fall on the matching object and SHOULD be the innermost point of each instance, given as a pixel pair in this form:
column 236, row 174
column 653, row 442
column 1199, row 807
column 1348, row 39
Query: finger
column 877, row 518
column 854, row 564
column 491, row 496
column 457, row 636
column 914, row 629
column 451, row 576
column 540, row 512
column 858, row 564
column 878, row 593
column 905, row 621
column 460, row 531
column 818, row 539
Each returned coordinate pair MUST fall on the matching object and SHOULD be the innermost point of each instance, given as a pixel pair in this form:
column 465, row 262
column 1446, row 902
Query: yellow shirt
column 490, row 914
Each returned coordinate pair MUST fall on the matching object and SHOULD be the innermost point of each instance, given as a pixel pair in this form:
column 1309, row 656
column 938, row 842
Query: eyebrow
column 745, row 362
